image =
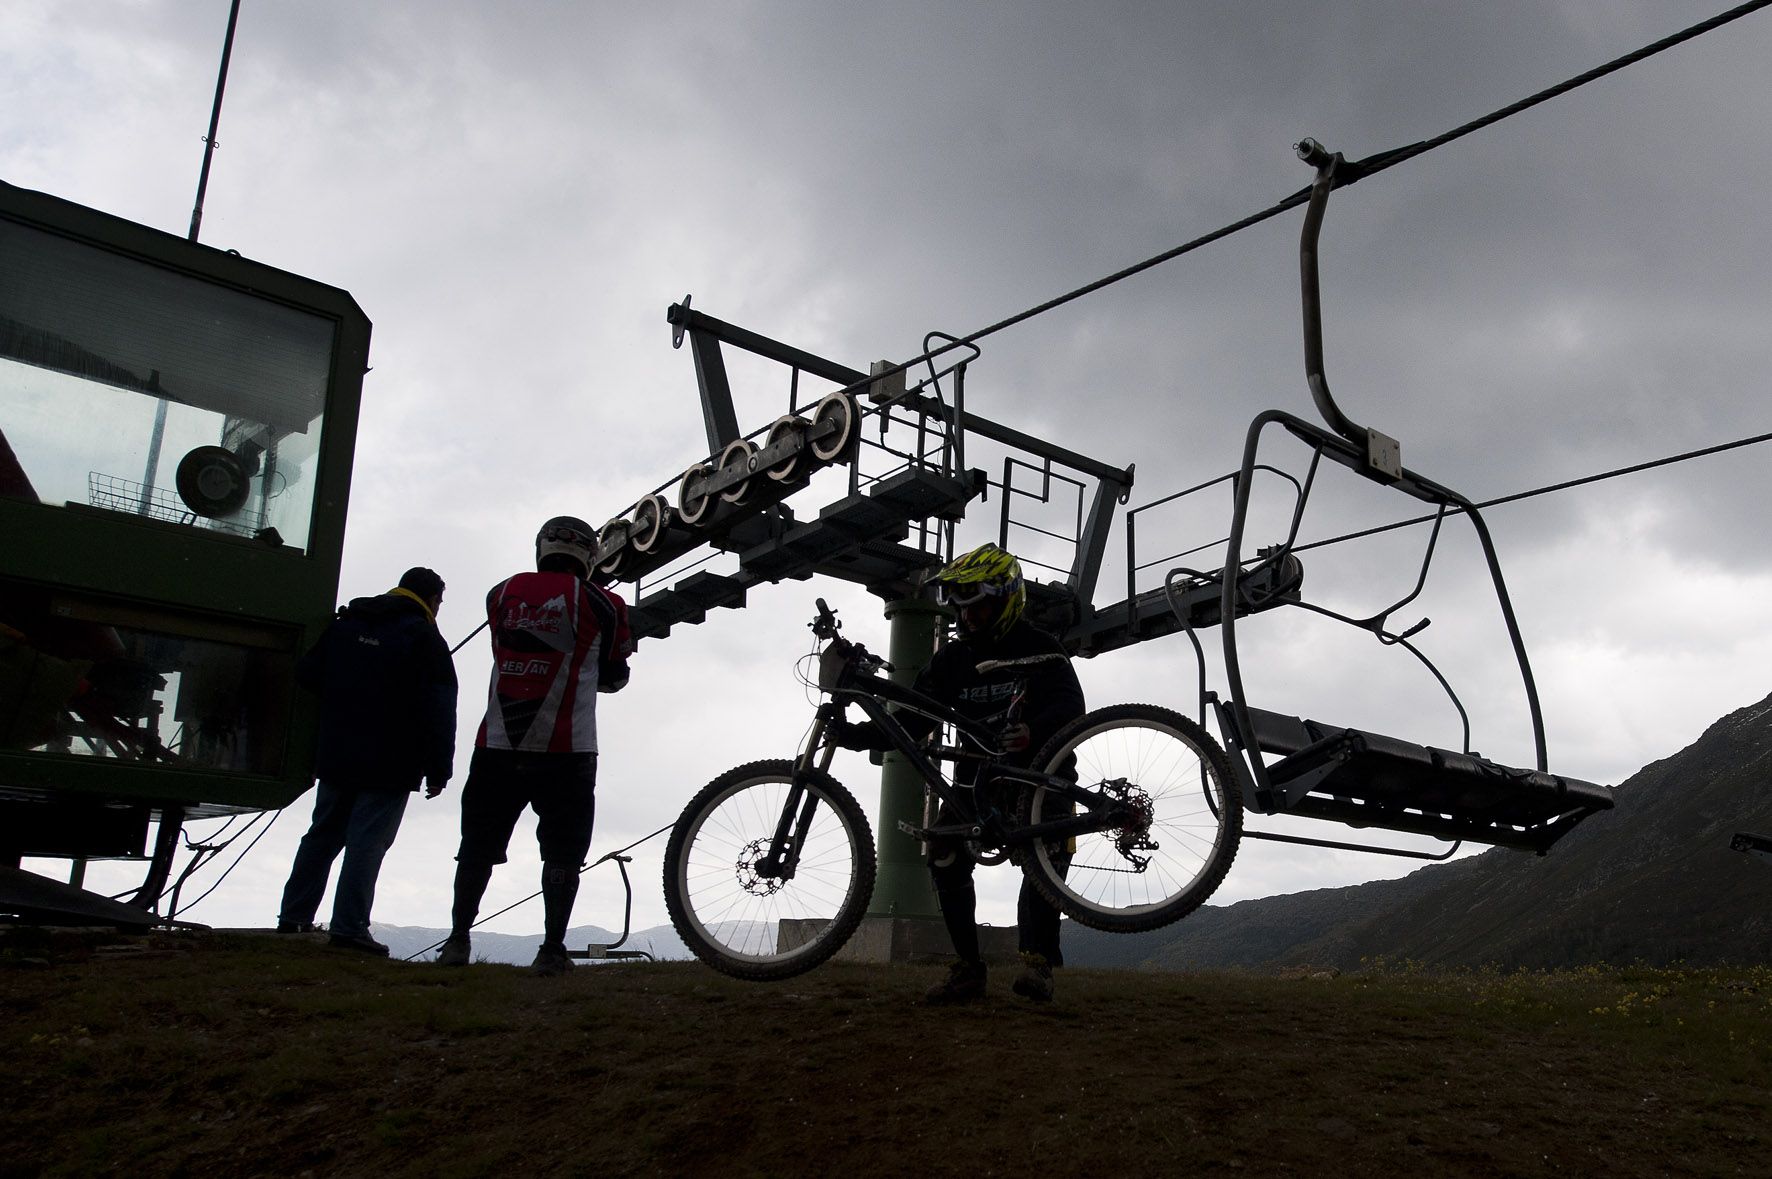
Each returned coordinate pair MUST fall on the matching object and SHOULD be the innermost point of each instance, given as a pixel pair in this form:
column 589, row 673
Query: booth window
column 127, row 387
column 86, row 677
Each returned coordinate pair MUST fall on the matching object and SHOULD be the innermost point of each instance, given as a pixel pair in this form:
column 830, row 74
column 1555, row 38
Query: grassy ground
column 216, row 1055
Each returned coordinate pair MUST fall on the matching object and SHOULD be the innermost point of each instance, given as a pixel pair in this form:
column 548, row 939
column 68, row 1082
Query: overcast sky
column 515, row 192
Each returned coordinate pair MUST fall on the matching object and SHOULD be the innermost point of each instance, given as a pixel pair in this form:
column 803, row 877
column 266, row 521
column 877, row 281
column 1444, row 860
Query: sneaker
column 550, row 959
column 357, row 941
column 455, row 951
column 1035, row 980
column 297, row 927
column 964, row 984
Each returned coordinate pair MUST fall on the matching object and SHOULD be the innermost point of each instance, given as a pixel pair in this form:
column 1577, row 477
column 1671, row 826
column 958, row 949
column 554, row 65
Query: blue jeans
column 362, row 824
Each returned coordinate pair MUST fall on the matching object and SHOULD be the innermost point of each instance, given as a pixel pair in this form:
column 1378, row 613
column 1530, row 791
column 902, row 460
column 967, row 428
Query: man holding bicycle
column 1001, row 670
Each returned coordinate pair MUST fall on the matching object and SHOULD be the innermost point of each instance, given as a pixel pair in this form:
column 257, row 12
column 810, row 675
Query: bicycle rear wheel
column 1187, row 819
column 751, row 926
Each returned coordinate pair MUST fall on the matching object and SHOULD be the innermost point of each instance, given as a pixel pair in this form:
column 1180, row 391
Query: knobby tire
column 730, row 918
column 1197, row 819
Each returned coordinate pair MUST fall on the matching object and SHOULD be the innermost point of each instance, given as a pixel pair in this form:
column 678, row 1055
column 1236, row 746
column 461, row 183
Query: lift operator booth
column 176, row 429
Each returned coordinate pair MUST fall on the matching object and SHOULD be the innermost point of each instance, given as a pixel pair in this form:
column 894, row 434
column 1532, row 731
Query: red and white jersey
column 556, row 642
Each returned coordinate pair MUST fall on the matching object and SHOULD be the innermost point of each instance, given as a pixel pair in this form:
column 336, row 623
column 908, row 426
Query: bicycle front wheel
column 1184, row 819
column 753, row 924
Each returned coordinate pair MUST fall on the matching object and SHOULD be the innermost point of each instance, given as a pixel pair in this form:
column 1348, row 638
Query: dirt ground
column 228, row 1055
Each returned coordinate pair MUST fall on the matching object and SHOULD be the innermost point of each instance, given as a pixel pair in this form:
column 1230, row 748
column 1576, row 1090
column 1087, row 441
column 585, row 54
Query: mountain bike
column 1127, row 820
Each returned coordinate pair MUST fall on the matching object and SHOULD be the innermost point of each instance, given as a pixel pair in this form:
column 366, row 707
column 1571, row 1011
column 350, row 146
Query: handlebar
column 825, row 625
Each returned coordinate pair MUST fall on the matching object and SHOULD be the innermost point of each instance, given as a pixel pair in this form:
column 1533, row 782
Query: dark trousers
column 951, row 868
column 561, row 789
column 362, row 824
column 1036, row 917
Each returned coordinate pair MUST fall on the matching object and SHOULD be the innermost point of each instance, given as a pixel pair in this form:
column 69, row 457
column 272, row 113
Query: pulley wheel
column 743, row 455
column 785, row 427
column 692, row 508
column 652, row 516
column 838, row 409
column 613, row 533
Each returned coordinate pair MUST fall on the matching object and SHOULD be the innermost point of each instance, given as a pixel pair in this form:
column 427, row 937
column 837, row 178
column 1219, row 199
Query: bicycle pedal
column 912, row 830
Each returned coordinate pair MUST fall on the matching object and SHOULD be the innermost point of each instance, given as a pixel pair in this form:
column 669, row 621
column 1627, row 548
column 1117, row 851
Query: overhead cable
column 1348, row 173
column 524, row 901
column 1547, row 489
column 218, row 880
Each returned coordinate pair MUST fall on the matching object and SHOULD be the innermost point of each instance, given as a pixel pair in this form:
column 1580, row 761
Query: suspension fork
column 801, row 804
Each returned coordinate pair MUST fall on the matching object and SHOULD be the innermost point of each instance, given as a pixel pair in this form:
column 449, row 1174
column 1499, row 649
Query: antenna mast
column 157, row 439
column 209, row 144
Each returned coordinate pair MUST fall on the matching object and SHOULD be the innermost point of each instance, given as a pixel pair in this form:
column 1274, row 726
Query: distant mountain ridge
column 1652, row 881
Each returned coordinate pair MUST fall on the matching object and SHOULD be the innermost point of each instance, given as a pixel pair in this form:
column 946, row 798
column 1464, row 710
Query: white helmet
column 568, row 535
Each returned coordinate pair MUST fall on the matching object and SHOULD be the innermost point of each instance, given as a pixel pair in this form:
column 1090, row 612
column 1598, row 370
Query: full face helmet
column 567, row 536
column 986, row 589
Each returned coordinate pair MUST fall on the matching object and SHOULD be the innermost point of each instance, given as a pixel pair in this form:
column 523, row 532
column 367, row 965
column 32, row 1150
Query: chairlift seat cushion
column 1372, row 780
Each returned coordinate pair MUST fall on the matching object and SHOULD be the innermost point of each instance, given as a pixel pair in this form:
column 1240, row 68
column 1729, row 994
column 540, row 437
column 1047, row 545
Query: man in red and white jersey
column 557, row 641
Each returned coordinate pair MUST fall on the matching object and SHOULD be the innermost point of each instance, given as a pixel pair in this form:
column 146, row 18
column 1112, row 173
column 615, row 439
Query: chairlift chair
column 1354, row 775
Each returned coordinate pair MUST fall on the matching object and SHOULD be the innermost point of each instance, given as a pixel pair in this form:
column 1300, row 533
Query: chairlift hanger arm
column 1326, row 163
column 1382, row 454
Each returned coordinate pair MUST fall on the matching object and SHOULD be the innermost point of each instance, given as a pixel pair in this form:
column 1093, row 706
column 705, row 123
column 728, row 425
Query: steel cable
column 514, row 904
column 1547, row 489
column 1347, row 174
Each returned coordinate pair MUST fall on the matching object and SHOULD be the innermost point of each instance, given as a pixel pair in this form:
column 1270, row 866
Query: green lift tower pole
column 902, row 888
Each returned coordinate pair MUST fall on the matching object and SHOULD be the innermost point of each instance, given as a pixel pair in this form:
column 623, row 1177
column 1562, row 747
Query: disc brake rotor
column 757, row 886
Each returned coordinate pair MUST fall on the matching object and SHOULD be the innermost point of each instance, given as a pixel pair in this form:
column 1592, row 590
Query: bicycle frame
column 856, row 683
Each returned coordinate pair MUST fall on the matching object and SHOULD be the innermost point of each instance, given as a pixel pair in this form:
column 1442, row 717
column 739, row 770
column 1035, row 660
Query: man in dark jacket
column 387, row 723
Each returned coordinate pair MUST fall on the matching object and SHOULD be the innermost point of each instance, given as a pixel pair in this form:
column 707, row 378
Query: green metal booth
column 176, row 432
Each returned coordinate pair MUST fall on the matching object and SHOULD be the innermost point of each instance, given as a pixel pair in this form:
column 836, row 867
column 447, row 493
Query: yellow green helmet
column 986, row 574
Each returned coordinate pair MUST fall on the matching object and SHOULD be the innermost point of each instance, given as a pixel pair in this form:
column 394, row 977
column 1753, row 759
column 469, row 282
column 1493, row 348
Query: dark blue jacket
column 387, row 696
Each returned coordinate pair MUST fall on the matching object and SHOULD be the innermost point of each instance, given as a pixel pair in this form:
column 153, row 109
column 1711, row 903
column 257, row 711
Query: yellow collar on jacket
column 422, row 604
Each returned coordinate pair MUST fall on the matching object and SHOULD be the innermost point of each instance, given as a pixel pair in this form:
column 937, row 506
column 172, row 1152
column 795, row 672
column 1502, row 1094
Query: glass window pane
column 85, row 678
column 129, row 387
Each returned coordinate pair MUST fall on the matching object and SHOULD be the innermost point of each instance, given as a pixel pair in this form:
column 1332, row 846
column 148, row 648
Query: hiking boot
column 361, row 942
column 454, row 952
column 964, row 984
column 550, row 959
column 1035, row 980
column 297, row 927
